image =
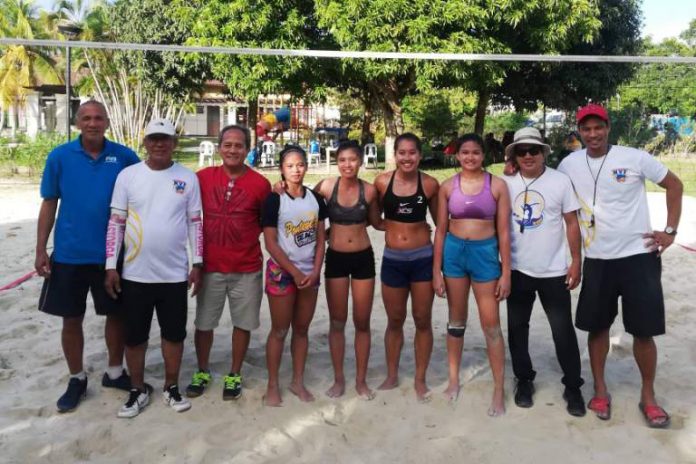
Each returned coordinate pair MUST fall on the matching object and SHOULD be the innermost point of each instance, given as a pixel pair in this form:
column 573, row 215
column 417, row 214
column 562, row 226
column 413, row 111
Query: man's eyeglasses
column 522, row 151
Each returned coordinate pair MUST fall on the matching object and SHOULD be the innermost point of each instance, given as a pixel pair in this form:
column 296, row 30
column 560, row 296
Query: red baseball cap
column 592, row 110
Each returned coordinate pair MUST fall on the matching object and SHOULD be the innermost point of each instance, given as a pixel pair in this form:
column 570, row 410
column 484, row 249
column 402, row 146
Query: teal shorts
column 475, row 259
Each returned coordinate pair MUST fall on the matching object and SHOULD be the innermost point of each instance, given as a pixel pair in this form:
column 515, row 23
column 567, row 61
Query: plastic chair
column 370, row 153
column 314, row 153
column 268, row 150
column 206, row 150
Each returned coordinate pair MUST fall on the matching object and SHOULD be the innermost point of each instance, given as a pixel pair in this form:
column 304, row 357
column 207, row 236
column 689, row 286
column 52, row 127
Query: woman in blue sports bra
column 350, row 264
column 473, row 232
column 406, row 196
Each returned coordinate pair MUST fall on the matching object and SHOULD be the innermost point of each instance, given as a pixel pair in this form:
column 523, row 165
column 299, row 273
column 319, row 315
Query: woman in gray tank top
column 350, row 263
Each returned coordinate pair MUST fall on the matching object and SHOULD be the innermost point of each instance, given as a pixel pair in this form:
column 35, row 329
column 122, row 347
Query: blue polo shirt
column 84, row 186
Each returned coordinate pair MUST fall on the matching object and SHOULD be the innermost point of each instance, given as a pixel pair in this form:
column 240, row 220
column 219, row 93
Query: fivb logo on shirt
column 110, row 159
column 619, row 174
column 179, row 186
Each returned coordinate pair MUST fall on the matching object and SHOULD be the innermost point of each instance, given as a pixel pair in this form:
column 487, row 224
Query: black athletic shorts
column 64, row 294
column 140, row 300
column 355, row 264
column 636, row 279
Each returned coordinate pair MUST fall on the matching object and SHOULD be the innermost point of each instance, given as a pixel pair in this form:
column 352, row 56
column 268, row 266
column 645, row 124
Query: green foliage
column 665, row 88
column 21, row 66
column 150, row 21
column 268, row 24
column 29, row 154
column 630, row 125
column 499, row 123
column 435, row 114
column 615, row 30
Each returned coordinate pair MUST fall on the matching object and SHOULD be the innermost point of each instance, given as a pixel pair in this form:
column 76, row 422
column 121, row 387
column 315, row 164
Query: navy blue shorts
column 64, row 294
column 402, row 267
column 140, row 300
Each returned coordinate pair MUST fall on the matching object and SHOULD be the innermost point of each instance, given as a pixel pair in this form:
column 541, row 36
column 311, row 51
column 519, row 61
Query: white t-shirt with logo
column 158, row 204
column 537, row 234
column 621, row 215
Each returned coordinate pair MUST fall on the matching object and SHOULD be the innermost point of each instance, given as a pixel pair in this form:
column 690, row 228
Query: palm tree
column 22, row 67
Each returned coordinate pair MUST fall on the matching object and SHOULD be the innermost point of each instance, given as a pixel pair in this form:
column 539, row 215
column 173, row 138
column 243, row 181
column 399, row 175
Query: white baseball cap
column 160, row 126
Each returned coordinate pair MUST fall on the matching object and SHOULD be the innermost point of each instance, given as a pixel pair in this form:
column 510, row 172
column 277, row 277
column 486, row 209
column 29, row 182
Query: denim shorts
column 402, row 267
column 476, row 259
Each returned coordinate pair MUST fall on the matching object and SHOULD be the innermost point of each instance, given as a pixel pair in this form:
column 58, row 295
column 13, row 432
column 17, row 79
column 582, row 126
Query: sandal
column 601, row 407
column 655, row 416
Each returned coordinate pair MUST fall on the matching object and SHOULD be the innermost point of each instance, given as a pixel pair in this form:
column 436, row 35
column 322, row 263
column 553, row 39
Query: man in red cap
column 622, row 252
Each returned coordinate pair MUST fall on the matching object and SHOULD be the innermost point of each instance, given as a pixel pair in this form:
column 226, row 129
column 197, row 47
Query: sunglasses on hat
column 532, row 150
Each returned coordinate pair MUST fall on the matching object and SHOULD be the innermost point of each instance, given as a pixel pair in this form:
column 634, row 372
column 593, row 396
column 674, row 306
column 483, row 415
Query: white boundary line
column 353, row 54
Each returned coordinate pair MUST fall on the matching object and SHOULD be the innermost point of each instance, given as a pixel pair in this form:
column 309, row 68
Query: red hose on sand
column 22, row 279
column 687, row 248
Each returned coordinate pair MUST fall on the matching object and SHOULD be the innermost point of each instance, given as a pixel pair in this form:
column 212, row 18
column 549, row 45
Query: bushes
column 27, row 155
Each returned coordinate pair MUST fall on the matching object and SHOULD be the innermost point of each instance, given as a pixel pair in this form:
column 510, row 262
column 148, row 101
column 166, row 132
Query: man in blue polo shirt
column 81, row 174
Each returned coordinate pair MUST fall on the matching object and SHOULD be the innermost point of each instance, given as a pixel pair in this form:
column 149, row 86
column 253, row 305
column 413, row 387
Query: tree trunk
column 253, row 109
column 481, row 107
column 365, row 133
column 14, row 120
column 368, row 115
column 393, row 126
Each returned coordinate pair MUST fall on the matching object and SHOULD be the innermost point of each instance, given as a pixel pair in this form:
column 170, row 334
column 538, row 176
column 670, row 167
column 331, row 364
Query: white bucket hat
column 527, row 136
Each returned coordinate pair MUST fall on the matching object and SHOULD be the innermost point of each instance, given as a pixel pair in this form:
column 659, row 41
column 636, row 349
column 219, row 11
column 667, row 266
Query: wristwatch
column 670, row 230
column 200, row 265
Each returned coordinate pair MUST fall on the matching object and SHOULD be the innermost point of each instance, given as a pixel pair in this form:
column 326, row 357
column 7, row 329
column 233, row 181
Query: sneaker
column 576, row 403
column 524, row 393
column 232, row 388
column 174, row 400
column 123, row 381
column 199, row 383
column 137, row 400
column 77, row 389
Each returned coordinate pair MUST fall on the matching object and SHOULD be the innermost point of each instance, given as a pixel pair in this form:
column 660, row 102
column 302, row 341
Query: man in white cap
column 156, row 206
column 542, row 202
column 622, row 253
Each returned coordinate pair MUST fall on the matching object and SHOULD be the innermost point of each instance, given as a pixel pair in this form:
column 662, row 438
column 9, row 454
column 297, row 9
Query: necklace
column 595, row 179
column 526, row 191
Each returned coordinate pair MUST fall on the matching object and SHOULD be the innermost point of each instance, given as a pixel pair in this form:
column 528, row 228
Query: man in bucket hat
column 622, row 253
column 542, row 202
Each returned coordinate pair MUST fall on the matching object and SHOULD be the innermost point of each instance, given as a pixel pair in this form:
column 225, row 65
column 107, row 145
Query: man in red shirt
column 232, row 196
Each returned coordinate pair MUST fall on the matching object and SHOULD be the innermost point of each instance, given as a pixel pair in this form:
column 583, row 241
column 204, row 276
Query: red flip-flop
column 655, row 416
column 601, row 407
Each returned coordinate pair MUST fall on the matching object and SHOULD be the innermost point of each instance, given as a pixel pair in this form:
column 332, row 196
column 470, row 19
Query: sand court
column 393, row 427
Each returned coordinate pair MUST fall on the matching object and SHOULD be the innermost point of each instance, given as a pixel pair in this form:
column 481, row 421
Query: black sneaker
column 576, row 403
column 232, row 388
column 524, row 393
column 77, row 389
column 199, row 382
column 123, row 381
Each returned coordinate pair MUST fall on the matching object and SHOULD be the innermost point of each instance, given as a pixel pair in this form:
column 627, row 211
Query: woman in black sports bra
column 350, row 263
column 406, row 196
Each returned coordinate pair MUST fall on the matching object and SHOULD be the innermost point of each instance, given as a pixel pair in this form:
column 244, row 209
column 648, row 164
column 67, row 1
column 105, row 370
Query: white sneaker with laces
column 174, row 400
column 137, row 400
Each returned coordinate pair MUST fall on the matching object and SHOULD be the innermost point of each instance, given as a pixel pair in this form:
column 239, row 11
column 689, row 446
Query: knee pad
column 456, row 331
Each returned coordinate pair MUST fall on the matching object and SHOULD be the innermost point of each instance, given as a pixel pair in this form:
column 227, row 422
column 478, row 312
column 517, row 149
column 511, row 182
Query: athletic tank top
column 479, row 206
column 410, row 209
column 347, row 215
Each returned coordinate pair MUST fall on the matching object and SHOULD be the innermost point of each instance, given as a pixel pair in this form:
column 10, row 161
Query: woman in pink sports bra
column 472, row 250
